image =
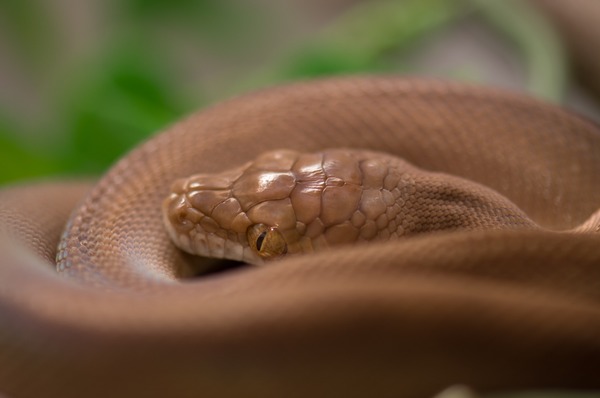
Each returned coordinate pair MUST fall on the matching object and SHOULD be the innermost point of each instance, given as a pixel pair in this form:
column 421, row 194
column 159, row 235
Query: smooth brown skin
column 492, row 309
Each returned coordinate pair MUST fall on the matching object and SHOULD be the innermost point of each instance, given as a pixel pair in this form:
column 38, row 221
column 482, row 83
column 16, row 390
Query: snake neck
column 433, row 202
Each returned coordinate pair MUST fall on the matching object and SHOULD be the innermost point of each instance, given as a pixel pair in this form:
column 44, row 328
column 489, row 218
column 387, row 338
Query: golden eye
column 266, row 241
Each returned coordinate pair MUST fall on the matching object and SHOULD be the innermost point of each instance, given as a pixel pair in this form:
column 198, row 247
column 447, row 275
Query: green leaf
column 18, row 162
column 120, row 104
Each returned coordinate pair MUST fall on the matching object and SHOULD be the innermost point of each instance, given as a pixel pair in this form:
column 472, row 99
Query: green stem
column 539, row 44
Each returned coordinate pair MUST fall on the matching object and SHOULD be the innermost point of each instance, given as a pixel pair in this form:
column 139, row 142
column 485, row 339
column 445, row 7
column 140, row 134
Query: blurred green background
column 84, row 81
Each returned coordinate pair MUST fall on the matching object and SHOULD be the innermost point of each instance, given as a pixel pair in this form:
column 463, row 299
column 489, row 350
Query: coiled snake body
column 480, row 287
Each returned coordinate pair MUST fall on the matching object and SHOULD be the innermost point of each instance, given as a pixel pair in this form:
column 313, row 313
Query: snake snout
column 179, row 186
column 176, row 210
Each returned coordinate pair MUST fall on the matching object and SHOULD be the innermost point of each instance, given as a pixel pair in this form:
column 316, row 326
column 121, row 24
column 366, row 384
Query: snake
column 288, row 203
column 390, row 237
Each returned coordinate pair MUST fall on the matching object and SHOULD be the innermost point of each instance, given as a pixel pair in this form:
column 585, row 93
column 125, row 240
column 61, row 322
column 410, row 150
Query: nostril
column 180, row 217
column 177, row 211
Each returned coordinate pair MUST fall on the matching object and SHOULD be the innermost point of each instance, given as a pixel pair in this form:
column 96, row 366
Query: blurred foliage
column 539, row 45
column 18, row 160
column 119, row 106
column 128, row 87
column 359, row 41
column 29, row 30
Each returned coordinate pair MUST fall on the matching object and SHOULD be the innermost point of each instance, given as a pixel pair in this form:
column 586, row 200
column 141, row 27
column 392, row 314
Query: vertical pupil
column 260, row 240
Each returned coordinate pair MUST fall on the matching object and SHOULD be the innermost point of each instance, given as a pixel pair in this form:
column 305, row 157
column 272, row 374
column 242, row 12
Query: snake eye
column 266, row 241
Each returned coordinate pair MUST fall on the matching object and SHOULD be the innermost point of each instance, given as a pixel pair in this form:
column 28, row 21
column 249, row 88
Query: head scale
column 282, row 203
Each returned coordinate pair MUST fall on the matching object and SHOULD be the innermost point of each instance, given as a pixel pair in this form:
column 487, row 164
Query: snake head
column 282, row 203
